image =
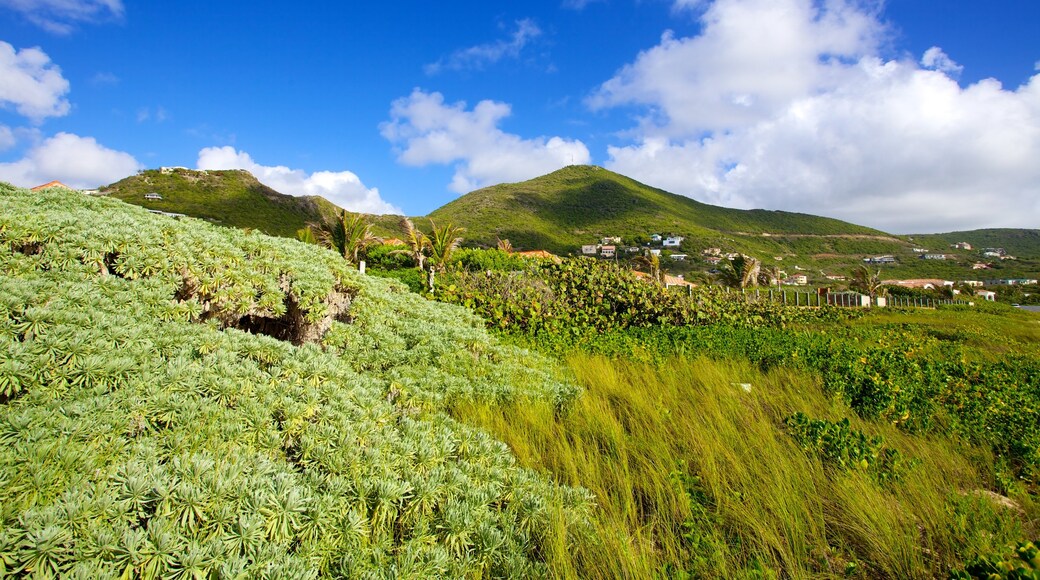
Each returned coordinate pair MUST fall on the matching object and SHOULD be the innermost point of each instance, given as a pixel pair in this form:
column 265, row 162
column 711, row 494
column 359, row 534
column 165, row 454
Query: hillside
column 231, row 198
column 579, row 204
column 183, row 400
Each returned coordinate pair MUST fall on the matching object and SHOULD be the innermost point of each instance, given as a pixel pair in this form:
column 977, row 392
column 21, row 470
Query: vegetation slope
column 181, row 400
column 579, row 204
column 231, row 197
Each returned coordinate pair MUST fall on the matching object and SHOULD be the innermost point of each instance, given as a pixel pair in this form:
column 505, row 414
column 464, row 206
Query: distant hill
column 579, row 204
column 1017, row 242
column 228, row 197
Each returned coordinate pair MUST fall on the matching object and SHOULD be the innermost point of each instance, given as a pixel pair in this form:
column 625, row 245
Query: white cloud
column 343, row 188
column 428, row 131
column 840, row 132
column 76, row 161
column 935, row 59
column 481, row 55
column 31, row 84
column 753, row 57
column 61, row 16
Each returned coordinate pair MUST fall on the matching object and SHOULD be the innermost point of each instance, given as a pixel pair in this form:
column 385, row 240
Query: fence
column 841, row 299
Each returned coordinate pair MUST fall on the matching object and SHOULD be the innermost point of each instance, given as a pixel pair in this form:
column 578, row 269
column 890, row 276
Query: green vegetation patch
column 152, row 424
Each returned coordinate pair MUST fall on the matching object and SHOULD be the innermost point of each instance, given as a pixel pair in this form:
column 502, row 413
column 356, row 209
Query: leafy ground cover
column 154, row 426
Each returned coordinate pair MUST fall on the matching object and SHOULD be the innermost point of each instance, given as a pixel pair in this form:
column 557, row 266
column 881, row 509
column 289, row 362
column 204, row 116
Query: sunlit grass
column 695, row 474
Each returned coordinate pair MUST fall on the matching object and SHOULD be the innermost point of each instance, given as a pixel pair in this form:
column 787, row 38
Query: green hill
column 230, row 197
column 580, row 204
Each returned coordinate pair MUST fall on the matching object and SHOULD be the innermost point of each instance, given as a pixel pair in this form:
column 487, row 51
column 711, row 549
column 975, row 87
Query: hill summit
column 581, row 203
column 232, row 197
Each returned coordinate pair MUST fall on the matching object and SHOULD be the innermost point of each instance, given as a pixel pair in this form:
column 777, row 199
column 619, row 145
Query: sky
column 910, row 116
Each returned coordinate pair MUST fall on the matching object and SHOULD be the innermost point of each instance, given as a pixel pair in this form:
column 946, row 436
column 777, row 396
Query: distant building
column 610, row 240
column 986, row 295
column 678, row 257
column 656, row 238
column 880, row 260
column 835, row 277
column 711, row 252
column 672, row 242
column 922, row 283
column 607, row 251
column 980, row 266
column 962, row 246
column 933, row 256
column 1011, row 282
column 589, row 249
column 632, row 250
column 152, row 195
column 796, row 280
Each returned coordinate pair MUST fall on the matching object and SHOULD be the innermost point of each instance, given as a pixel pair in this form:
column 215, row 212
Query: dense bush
column 143, row 434
column 582, row 295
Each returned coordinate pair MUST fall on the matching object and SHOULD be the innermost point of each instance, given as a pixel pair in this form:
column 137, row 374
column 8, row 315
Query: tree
column 443, row 242
column 770, row 276
column 505, row 246
column 348, row 236
column 740, row 272
column 652, row 263
column 867, row 281
column 416, row 241
column 306, row 235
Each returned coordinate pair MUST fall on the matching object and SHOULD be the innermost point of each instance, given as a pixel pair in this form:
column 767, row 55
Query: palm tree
column 306, row 235
column 416, row 241
column 770, row 276
column 867, row 281
column 652, row 264
column 349, row 236
column 740, row 272
column 505, row 246
column 443, row 242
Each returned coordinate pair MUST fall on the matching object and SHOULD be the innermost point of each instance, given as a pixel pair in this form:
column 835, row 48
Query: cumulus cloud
column 31, row 83
column 481, row 55
column 343, row 188
column 428, row 131
column 79, row 162
column 894, row 144
column 935, row 59
column 61, row 16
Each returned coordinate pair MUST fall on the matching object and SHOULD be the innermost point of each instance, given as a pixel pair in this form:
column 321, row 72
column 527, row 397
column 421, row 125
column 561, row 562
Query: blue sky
column 911, row 116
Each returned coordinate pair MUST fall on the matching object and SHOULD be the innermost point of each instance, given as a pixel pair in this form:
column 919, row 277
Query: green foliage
column 581, row 295
column 838, row 444
column 143, row 434
column 482, row 260
column 1020, row 563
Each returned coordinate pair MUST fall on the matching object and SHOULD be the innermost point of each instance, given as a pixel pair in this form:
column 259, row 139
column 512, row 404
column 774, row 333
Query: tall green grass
column 695, row 475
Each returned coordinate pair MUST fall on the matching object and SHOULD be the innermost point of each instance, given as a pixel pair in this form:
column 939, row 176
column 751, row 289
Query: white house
column 152, row 195
column 607, row 251
column 678, row 257
column 672, row 242
column 656, row 238
column 933, row 256
column 986, row 295
column 796, row 280
column 611, row 240
column 589, row 249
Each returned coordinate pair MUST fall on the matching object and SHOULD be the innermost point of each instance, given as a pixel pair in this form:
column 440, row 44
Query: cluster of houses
column 610, row 247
